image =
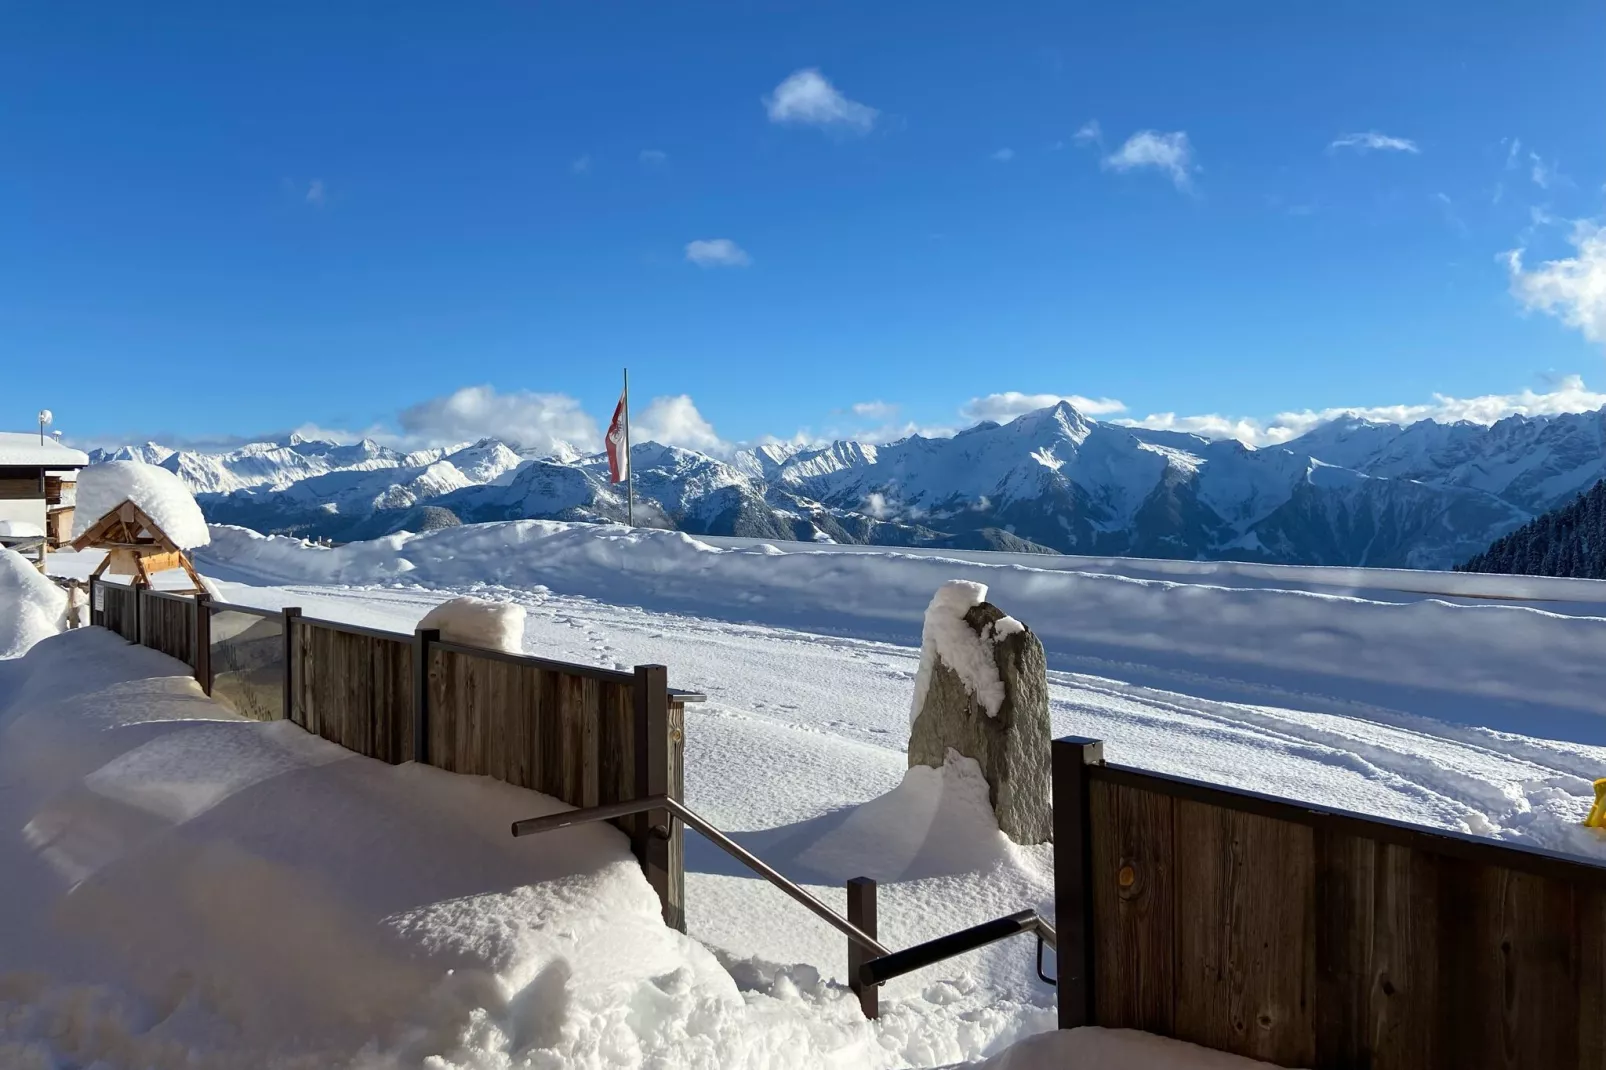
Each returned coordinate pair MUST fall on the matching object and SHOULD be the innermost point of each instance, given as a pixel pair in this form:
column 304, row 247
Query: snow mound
column 31, row 607
column 1094, row 1048
column 21, row 529
column 937, row 822
column 945, row 635
column 159, row 493
column 477, row 622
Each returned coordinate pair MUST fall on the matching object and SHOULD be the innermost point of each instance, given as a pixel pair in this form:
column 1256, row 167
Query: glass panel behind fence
column 248, row 664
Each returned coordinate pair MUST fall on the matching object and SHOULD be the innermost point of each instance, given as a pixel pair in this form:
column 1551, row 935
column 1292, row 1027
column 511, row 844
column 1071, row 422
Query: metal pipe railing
column 609, row 811
column 879, row 971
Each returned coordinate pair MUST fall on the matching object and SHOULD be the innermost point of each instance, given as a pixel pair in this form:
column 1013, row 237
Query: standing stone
column 1012, row 742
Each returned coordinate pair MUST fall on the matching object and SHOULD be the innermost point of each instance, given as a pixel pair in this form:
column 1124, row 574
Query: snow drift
column 478, row 622
column 31, row 607
column 159, row 493
column 1430, row 647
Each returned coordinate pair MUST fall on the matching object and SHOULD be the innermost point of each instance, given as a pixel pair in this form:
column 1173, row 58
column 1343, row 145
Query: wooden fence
column 581, row 734
column 1311, row 937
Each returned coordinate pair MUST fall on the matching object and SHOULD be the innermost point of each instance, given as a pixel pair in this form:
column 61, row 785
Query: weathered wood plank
column 1590, row 924
column 1134, row 909
column 1245, row 960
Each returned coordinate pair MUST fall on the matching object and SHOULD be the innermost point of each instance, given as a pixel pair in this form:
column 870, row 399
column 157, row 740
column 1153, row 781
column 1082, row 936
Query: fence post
column 288, row 617
column 139, row 614
column 861, row 912
column 1073, row 874
column 203, row 641
column 422, row 638
column 94, row 616
column 655, row 829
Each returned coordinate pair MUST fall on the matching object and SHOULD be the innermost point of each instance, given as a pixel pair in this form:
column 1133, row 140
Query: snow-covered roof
column 23, row 448
column 158, row 493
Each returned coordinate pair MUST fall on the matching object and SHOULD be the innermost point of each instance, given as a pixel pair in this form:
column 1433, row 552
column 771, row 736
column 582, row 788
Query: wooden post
column 203, row 641
column 422, row 638
column 139, row 615
column 654, row 830
column 1073, row 875
column 288, row 617
column 94, row 616
column 861, row 912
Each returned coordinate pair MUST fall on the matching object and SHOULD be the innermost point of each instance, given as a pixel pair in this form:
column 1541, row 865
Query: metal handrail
column 609, row 811
column 879, row 971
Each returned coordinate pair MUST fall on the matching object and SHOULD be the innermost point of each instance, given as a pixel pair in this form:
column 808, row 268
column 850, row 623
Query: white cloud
column 315, row 193
column 1089, row 133
column 1569, row 395
column 1573, row 289
column 1513, row 150
column 808, row 99
column 1541, row 173
column 1364, row 143
column 675, row 421
column 534, row 421
column 717, row 252
column 1171, row 153
column 875, row 410
column 653, row 157
column 1004, row 155
column 581, row 163
column 1001, row 408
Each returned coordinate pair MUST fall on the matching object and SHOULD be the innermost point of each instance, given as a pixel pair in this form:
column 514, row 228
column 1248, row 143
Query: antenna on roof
column 45, row 416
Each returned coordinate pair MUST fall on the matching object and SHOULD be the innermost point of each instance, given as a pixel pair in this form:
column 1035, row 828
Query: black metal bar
column 885, row 968
column 232, row 607
column 1073, row 756
column 423, row 639
column 862, row 912
column 203, row 641
column 610, row 811
column 357, row 629
column 752, row 862
column 532, row 826
column 288, row 617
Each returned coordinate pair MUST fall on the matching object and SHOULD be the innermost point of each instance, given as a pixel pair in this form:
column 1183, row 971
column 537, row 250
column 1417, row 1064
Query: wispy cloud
column 1451, row 216
column 1571, row 289
column 807, row 98
column 1543, row 174
column 1570, row 395
column 1004, row 155
column 1089, row 134
column 581, row 163
column 1372, row 140
column 875, row 410
column 717, row 252
column 316, row 195
column 1513, row 151
column 653, row 157
column 1001, row 408
column 1171, row 153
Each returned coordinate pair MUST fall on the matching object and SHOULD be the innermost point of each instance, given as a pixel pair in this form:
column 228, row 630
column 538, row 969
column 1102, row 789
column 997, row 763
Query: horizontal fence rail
column 1313, row 937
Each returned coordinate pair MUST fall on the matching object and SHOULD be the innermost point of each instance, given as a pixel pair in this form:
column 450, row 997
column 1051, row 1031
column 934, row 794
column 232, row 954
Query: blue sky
column 224, row 222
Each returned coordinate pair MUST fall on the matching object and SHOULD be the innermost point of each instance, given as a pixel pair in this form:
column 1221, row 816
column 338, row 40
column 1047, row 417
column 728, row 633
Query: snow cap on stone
column 158, row 493
column 946, row 635
column 477, row 622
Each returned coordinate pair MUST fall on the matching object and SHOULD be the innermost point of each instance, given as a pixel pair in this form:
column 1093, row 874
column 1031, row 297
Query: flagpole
column 630, row 469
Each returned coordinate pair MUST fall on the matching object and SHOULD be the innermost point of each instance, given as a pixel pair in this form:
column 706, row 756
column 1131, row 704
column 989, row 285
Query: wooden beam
column 151, row 563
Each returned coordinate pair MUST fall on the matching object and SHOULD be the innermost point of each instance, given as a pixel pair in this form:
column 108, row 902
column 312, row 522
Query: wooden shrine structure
column 135, row 546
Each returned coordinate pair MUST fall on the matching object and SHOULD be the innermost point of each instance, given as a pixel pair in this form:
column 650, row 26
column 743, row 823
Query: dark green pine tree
column 1567, row 541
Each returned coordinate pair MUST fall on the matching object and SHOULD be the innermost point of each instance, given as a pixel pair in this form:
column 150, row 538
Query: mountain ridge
column 1350, row 492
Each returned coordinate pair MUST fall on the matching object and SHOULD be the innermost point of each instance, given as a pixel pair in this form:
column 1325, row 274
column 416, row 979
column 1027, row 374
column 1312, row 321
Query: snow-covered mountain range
column 1350, row 492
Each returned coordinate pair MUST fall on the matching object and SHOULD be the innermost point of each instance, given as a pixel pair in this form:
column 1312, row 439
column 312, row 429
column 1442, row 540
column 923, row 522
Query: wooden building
column 37, row 480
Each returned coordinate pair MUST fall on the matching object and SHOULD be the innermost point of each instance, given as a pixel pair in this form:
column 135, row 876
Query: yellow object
column 1597, row 813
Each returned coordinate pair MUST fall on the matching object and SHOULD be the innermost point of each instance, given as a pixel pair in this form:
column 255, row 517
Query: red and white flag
column 618, row 454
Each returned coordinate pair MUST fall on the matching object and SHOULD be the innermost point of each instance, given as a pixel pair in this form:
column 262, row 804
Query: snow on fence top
column 158, row 493
column 23, row 449
column 946, row 635
column 477, row 622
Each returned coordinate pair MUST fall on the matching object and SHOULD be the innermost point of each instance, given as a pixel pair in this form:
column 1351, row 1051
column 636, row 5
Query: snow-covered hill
column 1350, row 492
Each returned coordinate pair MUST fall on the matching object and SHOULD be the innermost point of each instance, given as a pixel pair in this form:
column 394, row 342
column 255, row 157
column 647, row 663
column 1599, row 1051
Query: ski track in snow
column 1308, row 746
